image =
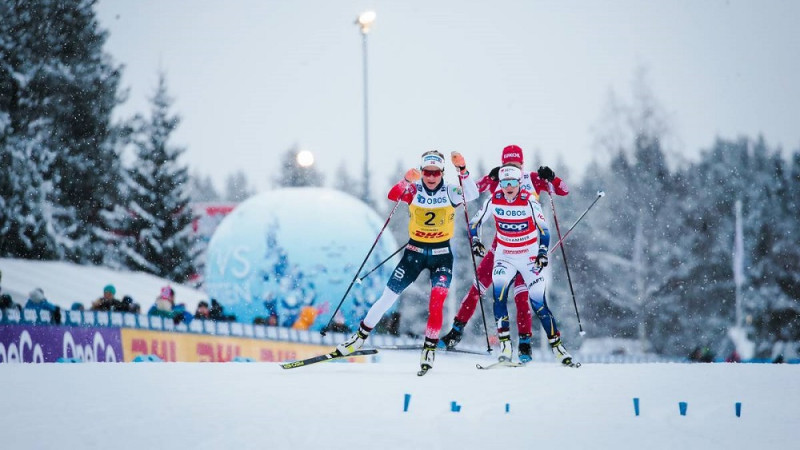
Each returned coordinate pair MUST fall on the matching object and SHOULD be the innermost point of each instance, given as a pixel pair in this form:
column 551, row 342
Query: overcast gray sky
column 251, row 78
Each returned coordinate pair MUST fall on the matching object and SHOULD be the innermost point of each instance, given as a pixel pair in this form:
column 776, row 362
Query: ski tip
column 292, row 365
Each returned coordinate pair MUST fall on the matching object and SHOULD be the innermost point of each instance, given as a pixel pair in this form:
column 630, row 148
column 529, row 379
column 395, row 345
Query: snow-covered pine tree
column 158, row 228
column 26, row 210
column 634, row 255
column 747, row 170
column 789, row 250
column 57, row 90
column 75, row 85
column 706, row 216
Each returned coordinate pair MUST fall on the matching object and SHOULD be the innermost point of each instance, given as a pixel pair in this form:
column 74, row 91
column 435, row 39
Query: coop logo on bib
column 513, row 226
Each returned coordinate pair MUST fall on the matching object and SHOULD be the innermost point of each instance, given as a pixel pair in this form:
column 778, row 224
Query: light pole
column 364, row 22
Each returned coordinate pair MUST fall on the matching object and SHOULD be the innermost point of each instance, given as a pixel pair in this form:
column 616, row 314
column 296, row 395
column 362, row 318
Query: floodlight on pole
column 364, row 22
column 305, row 158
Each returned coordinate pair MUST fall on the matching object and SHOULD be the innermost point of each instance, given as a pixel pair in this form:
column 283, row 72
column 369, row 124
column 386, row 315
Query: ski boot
column 506, row 348
column 427, row 357
column 453, row 337
column 355, row 342
column 524, row 349
column 561, row 353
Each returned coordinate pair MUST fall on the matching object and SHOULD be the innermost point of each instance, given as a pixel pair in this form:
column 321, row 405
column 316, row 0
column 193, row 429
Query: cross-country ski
column 326, row 357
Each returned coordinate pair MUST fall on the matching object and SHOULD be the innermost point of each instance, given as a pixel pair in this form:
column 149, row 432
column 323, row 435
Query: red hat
column 512, row 154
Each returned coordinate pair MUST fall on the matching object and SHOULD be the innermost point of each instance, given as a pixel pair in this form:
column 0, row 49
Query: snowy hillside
column 65, row 283
column 347, row 406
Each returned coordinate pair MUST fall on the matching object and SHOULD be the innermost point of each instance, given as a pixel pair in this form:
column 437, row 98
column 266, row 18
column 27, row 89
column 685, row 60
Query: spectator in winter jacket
column 128, row 305
column 165, row 307
column 202, row 312
column 6, row 302
column 306, row 318
column 38, row 302
column 110, row 303
column 164, row 304
column 107, row 302
column 218, row 312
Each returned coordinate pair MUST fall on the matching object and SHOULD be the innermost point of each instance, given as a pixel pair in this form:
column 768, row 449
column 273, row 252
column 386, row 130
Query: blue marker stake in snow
column 455, row 407
column 406, row 401
column 738, row 409
column 508, row 407
column 682, row 407
column 636, row 405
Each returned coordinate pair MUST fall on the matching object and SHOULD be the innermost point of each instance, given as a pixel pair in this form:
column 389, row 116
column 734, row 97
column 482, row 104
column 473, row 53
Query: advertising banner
column 39, row 344
column 208, row 348
column 28, row 343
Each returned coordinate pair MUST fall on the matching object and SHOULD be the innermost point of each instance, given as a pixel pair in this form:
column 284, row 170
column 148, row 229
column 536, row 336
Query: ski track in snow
column 342, row 405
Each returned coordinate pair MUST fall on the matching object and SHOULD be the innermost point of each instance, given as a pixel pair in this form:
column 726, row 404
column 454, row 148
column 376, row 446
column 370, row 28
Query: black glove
column 541, row 258
column 546, row 173
column 477, row 248
column 494, row 173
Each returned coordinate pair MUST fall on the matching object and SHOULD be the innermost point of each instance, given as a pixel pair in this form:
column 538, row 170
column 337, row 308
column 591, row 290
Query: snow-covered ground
column 349, row 406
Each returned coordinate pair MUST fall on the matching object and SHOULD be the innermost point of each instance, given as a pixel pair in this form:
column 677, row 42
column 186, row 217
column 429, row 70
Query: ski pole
column 359, row 279
column 564, row 255
column 325, row 328
column 474, row 265
column 558, row 244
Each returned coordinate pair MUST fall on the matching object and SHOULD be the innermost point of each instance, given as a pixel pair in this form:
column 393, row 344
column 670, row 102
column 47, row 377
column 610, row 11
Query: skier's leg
column 537, row 291
column 470, row 301
column 502, row 275
column 441, row 269
column 524, row 319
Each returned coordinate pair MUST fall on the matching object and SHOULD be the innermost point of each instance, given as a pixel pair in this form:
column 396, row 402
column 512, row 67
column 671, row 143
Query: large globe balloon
column 285, row 249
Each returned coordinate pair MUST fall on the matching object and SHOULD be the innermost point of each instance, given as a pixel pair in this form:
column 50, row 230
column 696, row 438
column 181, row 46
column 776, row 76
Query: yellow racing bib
column 432, row 217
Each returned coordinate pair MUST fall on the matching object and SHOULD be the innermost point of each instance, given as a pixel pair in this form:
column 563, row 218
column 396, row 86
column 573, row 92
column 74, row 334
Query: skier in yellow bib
column 431, row 206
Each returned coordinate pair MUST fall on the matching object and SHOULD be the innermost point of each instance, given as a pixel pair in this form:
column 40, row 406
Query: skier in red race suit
column 532, row 182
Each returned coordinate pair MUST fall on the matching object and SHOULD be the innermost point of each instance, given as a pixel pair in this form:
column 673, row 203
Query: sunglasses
column 431, row 173
column 507, row 183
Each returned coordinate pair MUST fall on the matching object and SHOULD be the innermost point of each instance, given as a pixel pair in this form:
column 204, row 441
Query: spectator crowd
column 164, row 305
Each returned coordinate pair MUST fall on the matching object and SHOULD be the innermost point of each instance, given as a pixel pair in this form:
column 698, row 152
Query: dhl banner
column 208, row 348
